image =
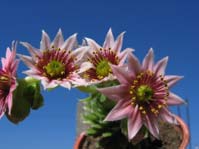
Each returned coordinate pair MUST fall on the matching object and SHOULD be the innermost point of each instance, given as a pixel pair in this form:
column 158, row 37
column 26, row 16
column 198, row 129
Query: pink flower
column 8, row 80
column 102, row 57
column 56, row 63
column 143, row 95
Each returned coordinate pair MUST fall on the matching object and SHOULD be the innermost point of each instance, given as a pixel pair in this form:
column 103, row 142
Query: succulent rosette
column 101, row 57
column 8, row 81
column 56, row 63
column 143, row 95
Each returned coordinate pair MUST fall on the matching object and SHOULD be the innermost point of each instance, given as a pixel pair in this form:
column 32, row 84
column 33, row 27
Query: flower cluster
column 140, row 91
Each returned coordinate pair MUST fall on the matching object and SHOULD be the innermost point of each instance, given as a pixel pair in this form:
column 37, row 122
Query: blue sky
column 170, row 27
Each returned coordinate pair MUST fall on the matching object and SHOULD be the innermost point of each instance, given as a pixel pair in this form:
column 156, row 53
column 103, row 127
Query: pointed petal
column 58, row 40
column 8, row 53
column 66, row 84
column 93, row 44
column 28, row 61
column 122, row 74
column 109, row 41
column 172, row 79
column 33, row 51
column 85, row 66
column 161, row 66
column 48, row 85
column 14, row 67
column 174, row 99
column 134, row 123
column 133, row 65
column 70, row 43
column 9, row 102
column 33, row 74
column 3, row 61
column 123, row 55
column 80, row 53
column 152, row 124
column 167, row 116
column 45, row 41
column 115, row 93
column 118, row 43
column 148, row 61
column 77, row 81
column 122, row 109
column 2, row 113
column 8, row 60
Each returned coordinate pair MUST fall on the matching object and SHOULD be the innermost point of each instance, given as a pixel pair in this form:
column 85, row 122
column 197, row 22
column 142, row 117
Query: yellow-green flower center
column 103, row 69
column 55, row 68
column 144, row 93
column 4, row 82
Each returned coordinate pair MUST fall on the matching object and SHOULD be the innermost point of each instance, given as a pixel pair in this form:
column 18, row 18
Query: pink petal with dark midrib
column 134, row 123
column 174, row 99
column 123, row 55
column 45, row 41
column 152, row 124
column 33, row 51
column 115, row 93
column 28, row 61
column 58, row 40
column 148, row 63
column 69, row 43
column 161, row 66
column 120, row 111
column 122, row 74
column 118, row 43
column 93, row 44
column 109, row 41
column 167, row 116
column 172, row 79
column 133, row 65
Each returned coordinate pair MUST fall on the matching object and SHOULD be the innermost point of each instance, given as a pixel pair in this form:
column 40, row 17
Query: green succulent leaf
column 107, row 134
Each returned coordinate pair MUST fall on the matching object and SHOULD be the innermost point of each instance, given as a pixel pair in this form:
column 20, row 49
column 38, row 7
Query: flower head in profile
column 8, row 79
column 143, row 95
column 55, row 63
column 101, row 57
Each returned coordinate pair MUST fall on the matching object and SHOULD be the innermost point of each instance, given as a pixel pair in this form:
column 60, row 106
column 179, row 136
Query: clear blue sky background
column 170, row 27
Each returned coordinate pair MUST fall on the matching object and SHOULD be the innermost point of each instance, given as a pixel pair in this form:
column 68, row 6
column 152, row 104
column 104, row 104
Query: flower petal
column 70, row 43
column 152, row 124
column 2, row 112
column 161, row 66
column 134, row 123
column 80, row 53
column 85, row 66
column 48, row 85
column 121, row 110
column 9, row 102
column 123, row 55
column 28, row 61
column 167, row 116
column 148, row 61
column 34, row 74
column 133, row 65
column 118, row 43
column 9, row 63
column 174, row 99
column 93, row 44
column 172, row 79
column 14, row 67
column 45, row 41
column 122, row 74
column 33, row 51
column 109, row 41
column 66, row 84
column 58, row 40
column 116, row 93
